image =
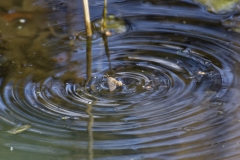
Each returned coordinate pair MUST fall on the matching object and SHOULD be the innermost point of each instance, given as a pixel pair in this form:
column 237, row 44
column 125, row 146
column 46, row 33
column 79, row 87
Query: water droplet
column 201, row 73
column 220, row 112
column 148, row 88
column 71, row 37
column 54, row 9
column 65, row 118
column 187, row 129
column 11, row 11
column 206, row 63
column 210, row 92
column 229, row 23
column 108, row 33
column 22, row 20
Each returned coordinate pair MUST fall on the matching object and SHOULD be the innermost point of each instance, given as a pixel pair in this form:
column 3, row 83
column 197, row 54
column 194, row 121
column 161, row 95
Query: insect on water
column 113, row 83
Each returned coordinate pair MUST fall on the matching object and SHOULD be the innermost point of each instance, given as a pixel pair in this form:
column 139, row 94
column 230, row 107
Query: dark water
column 179, row 64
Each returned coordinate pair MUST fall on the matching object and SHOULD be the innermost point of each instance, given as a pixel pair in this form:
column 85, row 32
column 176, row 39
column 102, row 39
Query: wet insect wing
column 111, row 84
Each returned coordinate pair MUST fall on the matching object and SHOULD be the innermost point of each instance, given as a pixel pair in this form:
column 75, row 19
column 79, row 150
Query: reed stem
column 104, row 23
column 87, row 18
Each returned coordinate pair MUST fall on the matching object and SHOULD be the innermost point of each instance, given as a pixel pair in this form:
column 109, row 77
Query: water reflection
column 179, row 64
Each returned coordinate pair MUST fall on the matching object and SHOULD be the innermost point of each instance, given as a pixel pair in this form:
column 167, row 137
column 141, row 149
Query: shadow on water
column 178, row 62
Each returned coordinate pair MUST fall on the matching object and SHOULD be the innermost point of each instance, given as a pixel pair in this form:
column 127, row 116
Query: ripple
column 179, row 100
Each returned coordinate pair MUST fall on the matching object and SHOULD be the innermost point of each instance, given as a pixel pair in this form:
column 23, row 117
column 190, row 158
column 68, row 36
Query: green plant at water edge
column 219, row 5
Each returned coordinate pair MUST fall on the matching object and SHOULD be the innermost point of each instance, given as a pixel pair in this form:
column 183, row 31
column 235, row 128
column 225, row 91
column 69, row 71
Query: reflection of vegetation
column 105, row 41
column 89, row 59
column 90, row 133
column 112, row 24
column 219, row 5
column 233, row 23
column 89, row 106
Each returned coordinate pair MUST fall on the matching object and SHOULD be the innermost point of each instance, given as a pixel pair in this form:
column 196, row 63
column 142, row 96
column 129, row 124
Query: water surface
column 179, row 63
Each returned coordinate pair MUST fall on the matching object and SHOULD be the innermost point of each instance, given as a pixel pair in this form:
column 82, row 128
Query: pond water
column 178, row 61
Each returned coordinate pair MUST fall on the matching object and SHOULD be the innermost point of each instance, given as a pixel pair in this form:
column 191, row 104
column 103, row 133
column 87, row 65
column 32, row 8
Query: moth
column 113, row 83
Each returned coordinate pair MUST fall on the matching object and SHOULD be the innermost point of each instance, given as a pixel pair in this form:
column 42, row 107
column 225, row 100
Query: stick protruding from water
column 87, row 18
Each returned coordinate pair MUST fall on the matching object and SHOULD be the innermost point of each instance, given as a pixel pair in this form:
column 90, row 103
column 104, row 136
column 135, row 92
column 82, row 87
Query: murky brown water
column 178, row 63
